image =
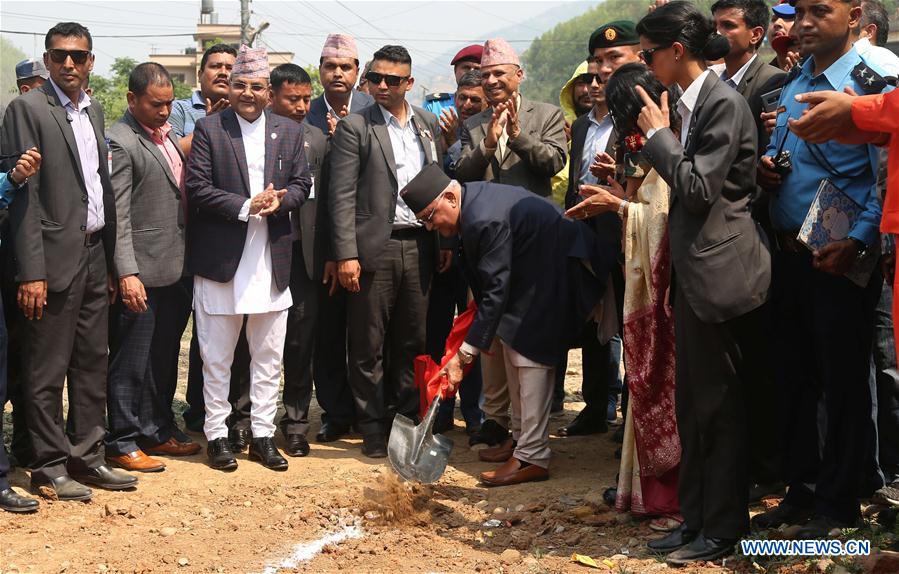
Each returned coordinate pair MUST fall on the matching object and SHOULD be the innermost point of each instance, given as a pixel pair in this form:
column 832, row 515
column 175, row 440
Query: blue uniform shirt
column 7, row 190
column 186, row 112
column 856, row 164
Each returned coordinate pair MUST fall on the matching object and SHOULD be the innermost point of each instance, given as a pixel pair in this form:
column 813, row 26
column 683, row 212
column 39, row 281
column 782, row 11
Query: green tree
column 11, row 56
column 317, row 88
column 112, row 92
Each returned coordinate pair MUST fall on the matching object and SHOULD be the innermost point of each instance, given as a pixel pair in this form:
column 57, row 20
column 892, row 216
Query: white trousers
column 530, row 393
column 218, row 336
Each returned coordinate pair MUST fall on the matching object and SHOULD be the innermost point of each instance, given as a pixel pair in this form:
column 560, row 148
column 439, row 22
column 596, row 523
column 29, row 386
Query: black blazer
column 314, row 236
column 217, row 184
column 719, row 254
column 524, row 263
column 49, row 215
column 759, row 79
column 362, row 189
column 318, row 110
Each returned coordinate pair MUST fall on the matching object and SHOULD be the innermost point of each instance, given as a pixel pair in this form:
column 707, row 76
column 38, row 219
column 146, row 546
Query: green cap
column 617, row 33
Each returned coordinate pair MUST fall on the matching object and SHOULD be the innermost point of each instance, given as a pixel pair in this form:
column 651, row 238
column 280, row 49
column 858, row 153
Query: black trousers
column 887, row 383
column 823, row 327
column 712, row 376
column 764, row 423
column 139, row 406
column 174, row 312
column 332, row 385
column 69, row 345
column 299, row 347
column 386, row 330
column 20, row 446
column 4, row 461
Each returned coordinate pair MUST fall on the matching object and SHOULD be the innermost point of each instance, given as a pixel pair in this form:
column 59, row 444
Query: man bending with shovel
column 536, row 277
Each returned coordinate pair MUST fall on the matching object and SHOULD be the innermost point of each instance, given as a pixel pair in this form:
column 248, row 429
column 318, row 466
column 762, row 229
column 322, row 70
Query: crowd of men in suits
column 337, row 237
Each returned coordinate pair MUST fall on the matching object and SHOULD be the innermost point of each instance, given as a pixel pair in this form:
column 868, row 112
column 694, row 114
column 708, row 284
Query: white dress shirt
column 687, row 104
column 253, row 288
column 597, row 141
column 733, row 82
column 349, row 106
column 88, row 153
column 410, row 158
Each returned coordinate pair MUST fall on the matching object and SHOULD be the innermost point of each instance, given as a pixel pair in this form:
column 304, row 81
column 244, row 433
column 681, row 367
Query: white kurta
column 253, row 289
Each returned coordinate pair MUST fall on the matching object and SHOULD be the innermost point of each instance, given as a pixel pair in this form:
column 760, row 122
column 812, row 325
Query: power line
column 125, row 37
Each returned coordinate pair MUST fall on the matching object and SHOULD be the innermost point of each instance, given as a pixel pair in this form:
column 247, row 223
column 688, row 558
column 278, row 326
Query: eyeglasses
column 255, row 88
column 59, row 56
column 587, row 78
column 433, row 211
column 646, row 55
column 392, row 81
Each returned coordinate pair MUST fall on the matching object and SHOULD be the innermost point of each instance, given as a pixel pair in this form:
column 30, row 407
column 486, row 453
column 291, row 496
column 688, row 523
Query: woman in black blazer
column 720, row 274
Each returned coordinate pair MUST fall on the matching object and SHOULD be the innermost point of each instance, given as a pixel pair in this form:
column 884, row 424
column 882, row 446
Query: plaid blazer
column 217, row 184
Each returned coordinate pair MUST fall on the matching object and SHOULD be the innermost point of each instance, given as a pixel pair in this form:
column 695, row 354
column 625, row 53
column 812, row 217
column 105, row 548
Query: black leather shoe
column 329, row 432
column 491, row 433
column 676, row 539
column 784, row 513
column 297, row 445
column 239, row 439
column 700, row 550
column 61, row 488
column 442, row 427
column 585, row 423
column 760, row 490
column 819, row 528
column 108, row 478
column 264, row 450
column 374, row 446
column 10, row 501
column 220, row 455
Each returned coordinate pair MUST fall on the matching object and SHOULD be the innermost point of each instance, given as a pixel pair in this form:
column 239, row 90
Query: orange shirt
column 880, row 113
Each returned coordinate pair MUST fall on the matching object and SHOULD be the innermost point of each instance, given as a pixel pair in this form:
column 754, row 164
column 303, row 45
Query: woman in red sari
column 647, row 480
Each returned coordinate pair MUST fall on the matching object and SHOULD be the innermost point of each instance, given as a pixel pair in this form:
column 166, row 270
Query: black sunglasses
column 646, row 55
column 392, row 81
column 78, row 56
column 588, row 78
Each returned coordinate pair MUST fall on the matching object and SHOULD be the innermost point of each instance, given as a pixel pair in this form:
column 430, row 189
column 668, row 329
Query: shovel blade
column 415, row 453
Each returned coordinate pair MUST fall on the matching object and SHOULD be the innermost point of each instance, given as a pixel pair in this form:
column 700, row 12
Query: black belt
column 408, row 232
column 91, row 239
column 786, row 241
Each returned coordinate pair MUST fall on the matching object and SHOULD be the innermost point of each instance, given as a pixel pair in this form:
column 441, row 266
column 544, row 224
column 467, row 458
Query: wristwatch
column 13, row 182
column 621, row 207
column 464, row 357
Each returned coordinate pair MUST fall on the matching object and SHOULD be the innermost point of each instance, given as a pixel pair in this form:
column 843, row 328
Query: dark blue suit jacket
column 318, row 109
column 525, row 265
column 217, row 184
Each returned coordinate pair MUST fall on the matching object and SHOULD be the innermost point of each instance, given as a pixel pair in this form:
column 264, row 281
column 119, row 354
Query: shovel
column 414, row 451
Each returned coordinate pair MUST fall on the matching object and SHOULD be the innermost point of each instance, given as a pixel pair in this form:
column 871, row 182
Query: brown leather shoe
column 174, row 447
column 512, row 472
column 136, row 461
column 499, row 453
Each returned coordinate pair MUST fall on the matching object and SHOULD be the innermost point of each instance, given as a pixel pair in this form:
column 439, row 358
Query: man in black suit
column 291, row 93
column 744, row 23
column 385, row 256
column 64, row 243
column 338, row 69
column 535, row 276
column 611, row 46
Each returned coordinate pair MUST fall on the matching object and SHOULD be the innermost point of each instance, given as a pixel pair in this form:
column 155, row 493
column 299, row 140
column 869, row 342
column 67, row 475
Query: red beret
column 473, row 53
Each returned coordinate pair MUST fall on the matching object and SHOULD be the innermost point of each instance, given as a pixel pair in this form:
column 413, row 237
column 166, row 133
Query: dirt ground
column 338, row 511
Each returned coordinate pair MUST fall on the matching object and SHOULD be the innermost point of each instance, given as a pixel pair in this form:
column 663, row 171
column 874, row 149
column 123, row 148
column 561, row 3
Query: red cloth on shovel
column 426, row 370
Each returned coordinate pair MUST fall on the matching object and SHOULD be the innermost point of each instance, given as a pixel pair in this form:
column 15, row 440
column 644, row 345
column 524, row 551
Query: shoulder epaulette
column 870, row 81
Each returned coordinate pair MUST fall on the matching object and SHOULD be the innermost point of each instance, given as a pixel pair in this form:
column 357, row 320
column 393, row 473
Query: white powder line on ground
column 306, row 551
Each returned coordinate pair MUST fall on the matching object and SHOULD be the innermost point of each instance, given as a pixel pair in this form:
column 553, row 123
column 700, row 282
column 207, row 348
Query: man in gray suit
column 147, row 166
column 385, row 256
column 338, row 68
column 517, row 142
column 63, row 230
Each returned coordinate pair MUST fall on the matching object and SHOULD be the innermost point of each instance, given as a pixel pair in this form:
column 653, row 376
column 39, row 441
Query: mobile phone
column 771, row 99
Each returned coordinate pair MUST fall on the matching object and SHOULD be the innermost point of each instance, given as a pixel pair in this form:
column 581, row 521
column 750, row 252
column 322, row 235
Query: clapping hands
column 267, row 202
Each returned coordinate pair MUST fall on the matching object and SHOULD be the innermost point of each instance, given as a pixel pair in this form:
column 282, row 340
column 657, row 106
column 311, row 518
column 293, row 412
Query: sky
column 429, row 30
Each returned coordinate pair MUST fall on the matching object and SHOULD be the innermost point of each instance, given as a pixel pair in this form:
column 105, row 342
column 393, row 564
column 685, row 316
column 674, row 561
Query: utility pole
column 245, row 22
